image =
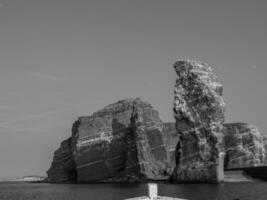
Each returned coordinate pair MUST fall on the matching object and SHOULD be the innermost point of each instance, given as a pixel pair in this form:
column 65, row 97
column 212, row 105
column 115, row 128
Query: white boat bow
column 153, row 194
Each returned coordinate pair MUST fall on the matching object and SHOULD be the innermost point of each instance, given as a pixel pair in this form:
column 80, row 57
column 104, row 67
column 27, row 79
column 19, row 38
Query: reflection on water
column 226, row 191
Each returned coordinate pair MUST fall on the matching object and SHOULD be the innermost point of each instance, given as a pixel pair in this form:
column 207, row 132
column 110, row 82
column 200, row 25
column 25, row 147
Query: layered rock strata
column 199, row 113
column 125, row 141
column 244, row 146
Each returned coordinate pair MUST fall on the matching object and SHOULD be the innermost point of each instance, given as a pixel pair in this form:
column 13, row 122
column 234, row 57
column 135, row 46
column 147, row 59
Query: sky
column 61, row 59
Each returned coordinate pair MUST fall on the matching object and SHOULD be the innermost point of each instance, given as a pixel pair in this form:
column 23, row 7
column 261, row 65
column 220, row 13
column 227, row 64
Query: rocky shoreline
column 128, row 142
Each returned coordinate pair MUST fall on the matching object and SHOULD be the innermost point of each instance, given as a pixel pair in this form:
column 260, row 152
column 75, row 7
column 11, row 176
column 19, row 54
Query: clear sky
column 60, row 59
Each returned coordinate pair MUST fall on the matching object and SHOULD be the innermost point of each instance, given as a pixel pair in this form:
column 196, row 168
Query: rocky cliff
column 171, row 139
column 199, row 114
column 265, row 146
column 63, row 167
column 244, row 146
column 125, row 141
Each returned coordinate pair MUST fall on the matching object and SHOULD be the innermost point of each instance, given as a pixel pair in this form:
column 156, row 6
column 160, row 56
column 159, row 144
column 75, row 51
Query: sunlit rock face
column 265, row 147
column 244, row 146
column 63, row 168
column 122, row 142
column 199, row 113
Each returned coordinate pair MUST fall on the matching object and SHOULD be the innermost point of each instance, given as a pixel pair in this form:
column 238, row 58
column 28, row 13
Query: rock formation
column 125, row 141
column 199, row 114
column 244, row 146
column 265, row 146
column 63, row 168
column 171, row 139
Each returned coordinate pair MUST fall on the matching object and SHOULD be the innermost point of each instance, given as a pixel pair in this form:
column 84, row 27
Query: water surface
column 41, row 191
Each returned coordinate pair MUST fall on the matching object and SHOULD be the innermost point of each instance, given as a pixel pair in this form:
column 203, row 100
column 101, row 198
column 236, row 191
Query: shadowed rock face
column 125, row 141
column 199, row 114
column 63, row 167
column 244, row 146
column 171, row 139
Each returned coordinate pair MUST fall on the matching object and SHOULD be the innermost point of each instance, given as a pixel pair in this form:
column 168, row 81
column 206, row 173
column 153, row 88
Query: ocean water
column 41, row 191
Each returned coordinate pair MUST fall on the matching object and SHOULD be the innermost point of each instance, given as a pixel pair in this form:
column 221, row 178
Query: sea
column 43, row 191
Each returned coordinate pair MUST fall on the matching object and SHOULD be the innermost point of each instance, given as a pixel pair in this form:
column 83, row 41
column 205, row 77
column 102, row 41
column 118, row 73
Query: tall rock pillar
column 199, row 113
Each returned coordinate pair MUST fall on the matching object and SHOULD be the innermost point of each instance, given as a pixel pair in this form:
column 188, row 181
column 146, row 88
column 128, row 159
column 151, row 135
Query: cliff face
column 171, row 139
column 265, row 146
column 244, row 146
column 125, row 141
column 199, row 114
column 63, row 168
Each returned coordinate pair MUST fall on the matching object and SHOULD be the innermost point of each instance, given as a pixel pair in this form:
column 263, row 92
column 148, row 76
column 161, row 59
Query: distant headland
column 28, row 179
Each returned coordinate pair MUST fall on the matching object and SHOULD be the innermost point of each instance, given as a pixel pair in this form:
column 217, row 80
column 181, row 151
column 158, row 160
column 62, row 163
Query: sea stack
column 199, row 113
